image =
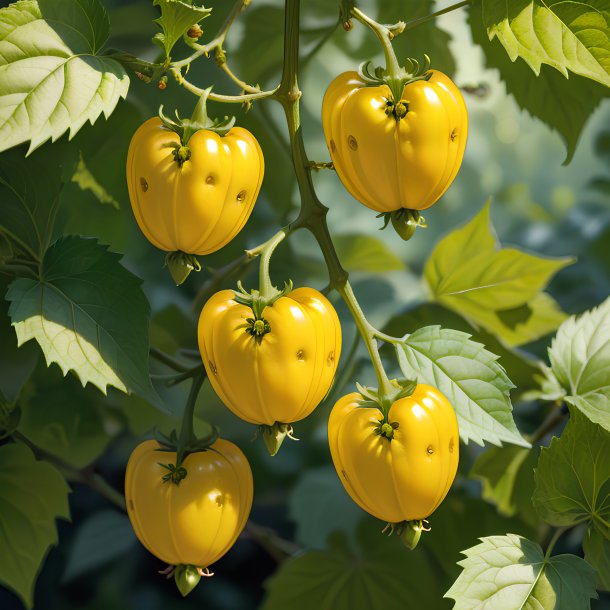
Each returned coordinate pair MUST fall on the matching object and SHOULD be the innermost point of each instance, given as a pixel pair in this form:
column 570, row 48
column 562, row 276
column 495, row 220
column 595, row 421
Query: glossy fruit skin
column 200, row 206
column 388, row 165
column 283, row 377
column 199, row 520
column 404, row 478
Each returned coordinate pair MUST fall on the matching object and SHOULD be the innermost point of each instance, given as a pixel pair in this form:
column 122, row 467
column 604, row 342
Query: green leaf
column 16, row 364
column 507, row 474
column 469, row 376
column 379, row 572
column 564, row 105
column 366, row 253
column 319, row 505
column 52, row 78
column 64, row 420
column 573, row 485
column 177, row 16
column 88, row 314
column 580, row 360
column 497, row 288
column 475, row 517
column 564, row 34
column 87, row 182
column 511, row 572
column 32, row 495
column 29, row 205
column 597, row 552
column 521, row 367
column 104, row 537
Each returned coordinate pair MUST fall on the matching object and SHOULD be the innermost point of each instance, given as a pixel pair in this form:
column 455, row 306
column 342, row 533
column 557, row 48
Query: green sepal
column 199, row 120
column 257, row 303
column 410, row 532
column 374, row 76
column 194, row 445
column 401, row 388
column 186, row 577
column 274, row 436
column 180, row 265
column 404, row 221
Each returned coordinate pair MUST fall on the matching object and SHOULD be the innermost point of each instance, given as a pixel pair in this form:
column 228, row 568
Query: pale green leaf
column 344, row 578
column 573, row 477
column 507, row 474
column 511, row 572
column 32, row 495
column 497, row 288
column 469, row 376
column 366, row 253
column 564, row 34
column 177, row 16
column 88, row 314
column 562, row 104
column 52, row 77
column 104, row 537
column 580, row 360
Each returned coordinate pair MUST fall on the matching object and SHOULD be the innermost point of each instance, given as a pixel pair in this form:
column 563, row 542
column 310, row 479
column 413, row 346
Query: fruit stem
column 266, row 288
column 186, row 430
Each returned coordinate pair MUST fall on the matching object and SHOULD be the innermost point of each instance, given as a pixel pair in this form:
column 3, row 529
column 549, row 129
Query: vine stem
column 415, row 22
column 168, row 361
column 86, row 476
column 558, row 533
column 312, row 215
column 552, row 420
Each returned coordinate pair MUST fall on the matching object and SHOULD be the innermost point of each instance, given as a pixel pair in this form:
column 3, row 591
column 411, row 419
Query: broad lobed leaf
column 32, row 496
column 564, row 34
column 497, row 288
column 469, row 376
column 88, row 314
column 52, row 78
column 580, row 360
column 573, row 486
column 512, row 572
column 563, row 104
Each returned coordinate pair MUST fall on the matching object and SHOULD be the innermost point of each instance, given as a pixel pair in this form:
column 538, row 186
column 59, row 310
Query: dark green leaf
column 379, row 572
column 88, row 314
column 573, row 486
column 104, row 537
column 32, row 495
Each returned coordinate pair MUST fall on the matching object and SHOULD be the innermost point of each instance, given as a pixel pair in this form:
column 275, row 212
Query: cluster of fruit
column 271, row 355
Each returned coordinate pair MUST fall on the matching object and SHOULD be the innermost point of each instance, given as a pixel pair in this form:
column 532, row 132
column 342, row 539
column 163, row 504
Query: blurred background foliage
column 538, row 205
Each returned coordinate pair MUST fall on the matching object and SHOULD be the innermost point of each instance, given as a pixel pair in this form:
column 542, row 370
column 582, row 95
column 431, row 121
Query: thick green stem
column 313, row 213
column 186, row 430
